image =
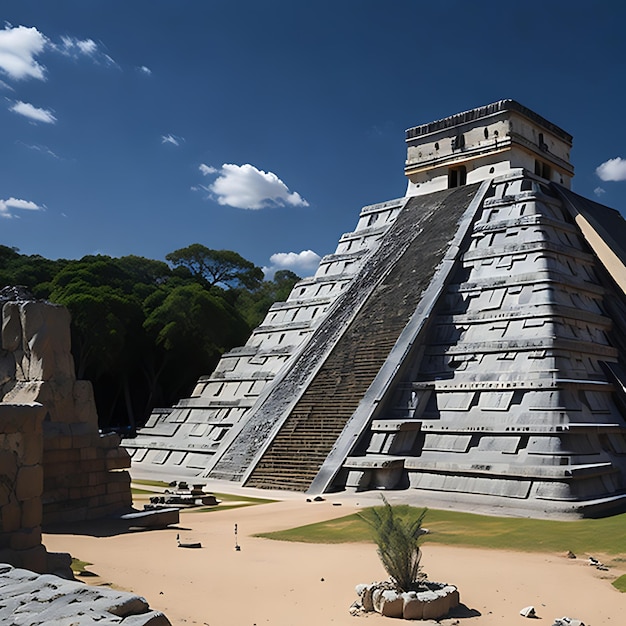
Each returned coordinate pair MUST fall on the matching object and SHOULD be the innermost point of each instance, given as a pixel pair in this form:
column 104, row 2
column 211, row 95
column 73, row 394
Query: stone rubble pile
column 182, row 496
column 29, row 599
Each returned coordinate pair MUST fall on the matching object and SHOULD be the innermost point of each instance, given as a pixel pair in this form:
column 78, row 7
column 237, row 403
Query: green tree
column 108, row 341
column 33, row 272
column 217, row 267
column 397, row 540
column 190, row 329
column 142, row 331
column 254, row 304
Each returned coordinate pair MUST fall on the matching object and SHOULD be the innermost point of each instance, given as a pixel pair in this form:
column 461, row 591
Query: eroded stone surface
column 29, row 599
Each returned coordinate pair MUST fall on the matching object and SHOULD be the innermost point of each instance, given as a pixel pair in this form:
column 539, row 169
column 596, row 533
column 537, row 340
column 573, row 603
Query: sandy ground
column 293, row 584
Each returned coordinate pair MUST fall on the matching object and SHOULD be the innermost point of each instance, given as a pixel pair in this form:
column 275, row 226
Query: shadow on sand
column 108, row 527
column 462, row 611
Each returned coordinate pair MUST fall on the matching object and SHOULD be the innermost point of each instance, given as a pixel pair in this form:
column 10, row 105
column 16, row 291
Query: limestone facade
column 465, row 342
column 484, row 143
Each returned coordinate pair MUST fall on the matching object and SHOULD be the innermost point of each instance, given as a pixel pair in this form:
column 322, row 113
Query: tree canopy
column 143, row 331
column 217, row 267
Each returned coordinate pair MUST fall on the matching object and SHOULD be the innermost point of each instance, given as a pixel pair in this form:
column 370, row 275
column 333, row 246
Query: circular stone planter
column 432, row 601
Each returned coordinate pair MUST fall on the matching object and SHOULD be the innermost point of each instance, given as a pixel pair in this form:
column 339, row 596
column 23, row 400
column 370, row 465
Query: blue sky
column 142, row 126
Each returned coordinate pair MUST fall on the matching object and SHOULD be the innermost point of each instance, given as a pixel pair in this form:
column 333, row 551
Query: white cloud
column 145, row 70
column 38, row 115
column 303, row 263
column 71, row 46
column 7, row 206
column 173, row 139
column 207, row 169
column 18, row 48
column 599, row 191
column 38, row 148
column 76, row 48
column 246, row 187
column 612, row 170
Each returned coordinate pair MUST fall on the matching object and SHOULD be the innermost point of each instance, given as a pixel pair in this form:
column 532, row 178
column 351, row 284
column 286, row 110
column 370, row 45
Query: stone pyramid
column 464, row 344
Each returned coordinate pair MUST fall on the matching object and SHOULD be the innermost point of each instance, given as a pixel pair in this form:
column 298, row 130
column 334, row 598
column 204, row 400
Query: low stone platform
column 157, row 518
column 29, row 599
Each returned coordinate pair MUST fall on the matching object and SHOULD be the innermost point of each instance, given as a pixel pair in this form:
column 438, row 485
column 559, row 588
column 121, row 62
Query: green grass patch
column 78, row 566
column 620, row 583
column 227, row 500
column 587, row 536
column 151, row 483
column 231, row 501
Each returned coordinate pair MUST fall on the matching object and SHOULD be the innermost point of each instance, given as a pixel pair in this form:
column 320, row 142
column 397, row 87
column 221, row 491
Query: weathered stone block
column 11, row 516
column 32, row 448
column 94, row 467
column 87, row 453
column 152, row 618
column 46, row 333
column 6, row 490
column 121, row 605
column 8, row 465
column 413, row 607
column 7, row 367
column 63, row 455
column 389, row 603
column 29, row 482
column 11, row 327
column 31, row 513
column 33, row 559
column 84, row 403
column 365, row 593
column 434, row 605
column 25, row 391
column 152, row 519
column 82, row 439
column 453, row 595
column 25, row 538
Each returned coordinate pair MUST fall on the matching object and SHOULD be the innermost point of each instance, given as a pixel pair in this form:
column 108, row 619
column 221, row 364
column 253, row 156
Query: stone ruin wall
column 21, row 486
column 83, row 471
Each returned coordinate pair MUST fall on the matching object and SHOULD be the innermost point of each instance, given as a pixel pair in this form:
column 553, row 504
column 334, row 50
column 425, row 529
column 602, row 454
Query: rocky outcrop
column 30, row 599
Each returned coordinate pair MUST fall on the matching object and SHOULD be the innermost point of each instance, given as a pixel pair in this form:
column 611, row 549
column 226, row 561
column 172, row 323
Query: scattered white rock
column 567, row 621
column 528, row 611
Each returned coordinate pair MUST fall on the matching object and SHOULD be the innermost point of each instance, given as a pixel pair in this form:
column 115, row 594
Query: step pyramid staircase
column 464, row 344
column 517, row 391
column 352, row 345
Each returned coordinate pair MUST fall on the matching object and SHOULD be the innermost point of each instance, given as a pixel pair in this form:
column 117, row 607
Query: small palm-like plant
column 397, row 539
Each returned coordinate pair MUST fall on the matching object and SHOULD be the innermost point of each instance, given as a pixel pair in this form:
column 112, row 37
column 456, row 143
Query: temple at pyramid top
column 464, row 346
column 485, row 142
